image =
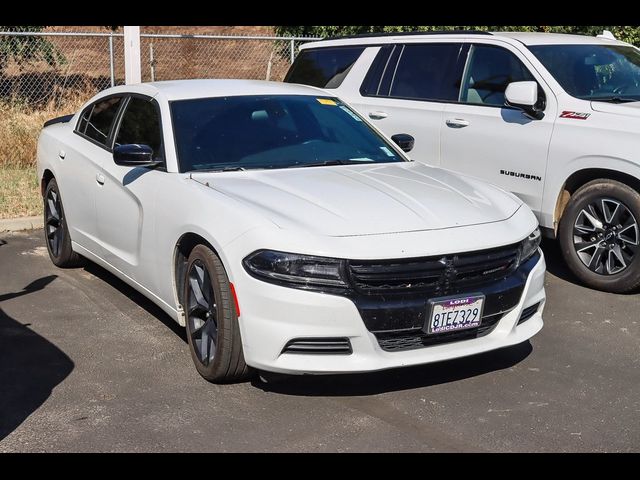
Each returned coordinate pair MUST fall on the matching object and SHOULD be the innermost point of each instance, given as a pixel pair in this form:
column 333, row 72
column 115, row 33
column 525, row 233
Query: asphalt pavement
column 88, row 364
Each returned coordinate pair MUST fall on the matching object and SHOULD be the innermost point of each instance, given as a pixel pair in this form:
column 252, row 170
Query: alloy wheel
column 202, row 313
column 54, row 222
column 606, row 236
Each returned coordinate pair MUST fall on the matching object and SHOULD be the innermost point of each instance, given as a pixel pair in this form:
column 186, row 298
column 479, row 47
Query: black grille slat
column 433, row 274
column 330, row 346
column 391, row 268
column 528, row 312
column 399, row 342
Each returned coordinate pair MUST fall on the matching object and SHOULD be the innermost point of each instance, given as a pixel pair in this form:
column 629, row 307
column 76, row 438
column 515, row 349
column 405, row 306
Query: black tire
column 613, row 263
column 213, row 331
column 56, row 231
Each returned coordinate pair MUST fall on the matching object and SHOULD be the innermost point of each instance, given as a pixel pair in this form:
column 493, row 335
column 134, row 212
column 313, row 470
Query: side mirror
column 524, row 95
column 404, row 141
column 134, row 155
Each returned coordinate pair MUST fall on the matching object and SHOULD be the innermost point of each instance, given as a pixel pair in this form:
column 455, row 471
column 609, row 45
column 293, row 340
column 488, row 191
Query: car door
column 125, row 203
column 79, row 168
column 406, row 89
column 483, row 138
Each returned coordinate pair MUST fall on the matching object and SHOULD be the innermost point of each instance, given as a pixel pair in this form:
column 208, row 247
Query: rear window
column 323, row 68
column 96, row 121
column 428, row 72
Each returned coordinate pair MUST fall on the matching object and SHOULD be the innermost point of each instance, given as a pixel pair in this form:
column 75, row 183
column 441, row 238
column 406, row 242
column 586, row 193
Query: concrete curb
column 18, row 224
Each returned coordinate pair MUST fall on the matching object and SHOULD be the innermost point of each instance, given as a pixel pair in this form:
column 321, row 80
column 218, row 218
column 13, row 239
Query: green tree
column 25, row 49
column 629, row 34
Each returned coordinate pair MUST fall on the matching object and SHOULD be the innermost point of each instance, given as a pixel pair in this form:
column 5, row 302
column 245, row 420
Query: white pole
column 132, row 67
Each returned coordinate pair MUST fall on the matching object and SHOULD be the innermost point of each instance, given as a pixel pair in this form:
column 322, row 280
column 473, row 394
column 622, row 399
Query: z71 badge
column 575, row 115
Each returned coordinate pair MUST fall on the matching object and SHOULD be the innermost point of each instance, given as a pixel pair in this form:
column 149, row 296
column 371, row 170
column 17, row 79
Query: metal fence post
column 111, row 65
column 293, row 50
column 132, row 70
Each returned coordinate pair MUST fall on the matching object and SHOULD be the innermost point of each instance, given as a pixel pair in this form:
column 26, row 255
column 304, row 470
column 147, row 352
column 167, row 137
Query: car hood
column 631, row 109
column 364, row 199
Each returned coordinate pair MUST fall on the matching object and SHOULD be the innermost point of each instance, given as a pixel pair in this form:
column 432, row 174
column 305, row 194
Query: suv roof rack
column 395, row 34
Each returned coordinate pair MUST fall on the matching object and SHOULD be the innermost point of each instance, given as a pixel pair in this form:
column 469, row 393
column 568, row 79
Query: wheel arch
column 580, row 178
column 47, row 176
column 183, row 247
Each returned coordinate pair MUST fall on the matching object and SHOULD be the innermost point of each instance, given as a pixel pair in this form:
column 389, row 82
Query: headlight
column 530, row 245
column 297, row 271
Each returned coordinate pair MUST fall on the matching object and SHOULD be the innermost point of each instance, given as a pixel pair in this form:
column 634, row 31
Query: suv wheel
column 600, row 237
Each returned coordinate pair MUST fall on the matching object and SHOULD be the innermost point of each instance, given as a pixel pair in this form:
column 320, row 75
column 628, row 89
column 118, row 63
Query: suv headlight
column 294, row 270
column 530, row 245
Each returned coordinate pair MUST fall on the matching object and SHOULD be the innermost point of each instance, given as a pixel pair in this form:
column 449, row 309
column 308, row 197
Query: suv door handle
column 378, row 115
column 457, row 123
column 100, row 178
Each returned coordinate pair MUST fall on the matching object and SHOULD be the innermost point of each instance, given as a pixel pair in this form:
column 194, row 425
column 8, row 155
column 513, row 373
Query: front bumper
column 272, row 316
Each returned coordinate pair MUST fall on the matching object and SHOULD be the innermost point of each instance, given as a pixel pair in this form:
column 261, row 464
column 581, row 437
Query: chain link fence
column 42, row 68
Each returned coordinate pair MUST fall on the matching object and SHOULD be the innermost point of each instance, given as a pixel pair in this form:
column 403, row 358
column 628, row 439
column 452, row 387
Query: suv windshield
column 594, row 72
column 278, row 131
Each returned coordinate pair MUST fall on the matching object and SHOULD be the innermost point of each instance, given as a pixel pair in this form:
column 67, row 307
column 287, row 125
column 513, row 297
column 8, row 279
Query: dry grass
column 19, row 130
column 20, row 127
column 19, row 193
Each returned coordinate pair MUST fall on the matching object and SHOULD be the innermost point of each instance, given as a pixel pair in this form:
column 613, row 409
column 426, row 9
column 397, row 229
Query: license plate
column 452, row 314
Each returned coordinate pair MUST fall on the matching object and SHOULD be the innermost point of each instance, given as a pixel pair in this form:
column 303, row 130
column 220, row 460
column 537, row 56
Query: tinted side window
column 371, row 83
column 99, row 124
column 428, row 72
column 489, row 71
column 325, row 67
column 84, row 119
column 141, row 124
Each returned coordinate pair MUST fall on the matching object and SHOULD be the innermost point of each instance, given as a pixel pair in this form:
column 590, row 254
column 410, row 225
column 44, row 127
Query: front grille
column 398, row 342
column 433, row 275
column 315, row 346
column 528, row 312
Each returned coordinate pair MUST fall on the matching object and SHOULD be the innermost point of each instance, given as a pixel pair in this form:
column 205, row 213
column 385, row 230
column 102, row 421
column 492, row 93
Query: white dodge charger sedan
column 285, row 232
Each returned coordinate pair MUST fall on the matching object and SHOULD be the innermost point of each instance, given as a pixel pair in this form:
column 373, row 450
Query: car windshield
column 276, row 131
column 594, row 72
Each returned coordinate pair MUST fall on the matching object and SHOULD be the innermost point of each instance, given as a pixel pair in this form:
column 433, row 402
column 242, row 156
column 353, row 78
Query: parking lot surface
column 88, row 364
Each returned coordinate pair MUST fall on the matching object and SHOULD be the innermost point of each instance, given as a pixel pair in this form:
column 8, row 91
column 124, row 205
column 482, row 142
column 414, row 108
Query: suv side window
column 324, row 67
column 141, row 124
column 428, row 72
column 96, row 121
column 489, row 70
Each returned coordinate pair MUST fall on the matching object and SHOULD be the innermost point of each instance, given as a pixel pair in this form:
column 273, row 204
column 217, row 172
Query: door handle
column 457, row 123
column 62, row 154
column 378, row 115
column 100, row 178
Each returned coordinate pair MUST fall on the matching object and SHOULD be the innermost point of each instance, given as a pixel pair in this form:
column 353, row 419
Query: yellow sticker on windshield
column 326, row 101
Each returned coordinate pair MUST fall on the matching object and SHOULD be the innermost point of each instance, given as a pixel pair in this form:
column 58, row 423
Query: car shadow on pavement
column 556, row 265
column 30, row 366
column 397, row 379
column 136, row 297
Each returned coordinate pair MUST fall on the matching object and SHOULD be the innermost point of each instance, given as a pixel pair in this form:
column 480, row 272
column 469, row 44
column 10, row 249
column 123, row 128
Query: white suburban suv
column 552, row 118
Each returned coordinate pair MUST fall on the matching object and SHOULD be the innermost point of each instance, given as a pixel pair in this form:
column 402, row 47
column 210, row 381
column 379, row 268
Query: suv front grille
column 433, row 275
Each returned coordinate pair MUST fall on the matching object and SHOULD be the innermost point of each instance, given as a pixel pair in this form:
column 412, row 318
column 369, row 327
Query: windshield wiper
column 326, row 163
column 615, row 99
column 225, row 169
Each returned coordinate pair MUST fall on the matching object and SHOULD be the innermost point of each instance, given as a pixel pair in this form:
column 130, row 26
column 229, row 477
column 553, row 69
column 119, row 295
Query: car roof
column 206, row 88
column 540, row 38
column 527, row 38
